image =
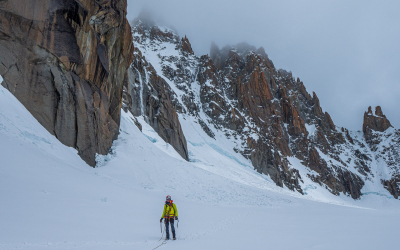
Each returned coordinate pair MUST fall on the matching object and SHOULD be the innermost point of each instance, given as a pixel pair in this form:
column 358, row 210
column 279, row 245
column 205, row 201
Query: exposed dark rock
column 392, row 186
column 66, row 62
column 336, row 179
column 269, row 162
column 147, row 94
column 186, row 46
column 377, row 122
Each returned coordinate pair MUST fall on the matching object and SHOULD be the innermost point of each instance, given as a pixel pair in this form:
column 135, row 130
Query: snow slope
column 50, row 199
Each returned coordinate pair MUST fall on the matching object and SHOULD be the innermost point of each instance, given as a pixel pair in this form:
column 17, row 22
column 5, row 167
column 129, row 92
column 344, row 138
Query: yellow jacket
column 170, row 210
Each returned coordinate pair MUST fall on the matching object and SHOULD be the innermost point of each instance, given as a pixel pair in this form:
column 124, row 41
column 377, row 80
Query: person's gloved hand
column 176, row 217
column 160, row 220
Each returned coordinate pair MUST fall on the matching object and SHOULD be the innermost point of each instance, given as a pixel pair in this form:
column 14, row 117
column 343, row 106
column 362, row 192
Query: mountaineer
column 169, row 214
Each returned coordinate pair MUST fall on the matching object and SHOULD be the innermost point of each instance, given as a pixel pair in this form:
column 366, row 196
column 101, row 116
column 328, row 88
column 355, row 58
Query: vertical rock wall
column 66, row 62
column 147, row 94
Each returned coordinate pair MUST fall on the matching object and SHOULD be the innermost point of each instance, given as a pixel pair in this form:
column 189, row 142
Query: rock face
column 279, row 120
column 149, row 95
column 393, row 186
column 66, row 62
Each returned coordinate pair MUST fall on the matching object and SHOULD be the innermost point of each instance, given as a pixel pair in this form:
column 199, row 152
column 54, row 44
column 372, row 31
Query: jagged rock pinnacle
column 377, row 122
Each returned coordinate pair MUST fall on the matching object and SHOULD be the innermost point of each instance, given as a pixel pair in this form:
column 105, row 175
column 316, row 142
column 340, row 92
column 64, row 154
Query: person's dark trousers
column 172, row 227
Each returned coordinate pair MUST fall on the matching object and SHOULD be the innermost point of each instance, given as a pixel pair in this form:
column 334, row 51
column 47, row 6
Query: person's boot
column 174, row 238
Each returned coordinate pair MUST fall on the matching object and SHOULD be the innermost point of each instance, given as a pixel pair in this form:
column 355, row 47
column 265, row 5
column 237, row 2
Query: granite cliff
column 66, row 62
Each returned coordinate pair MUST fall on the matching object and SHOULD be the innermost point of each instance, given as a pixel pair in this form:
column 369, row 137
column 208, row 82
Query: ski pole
column 177, row 224
column 161, row 227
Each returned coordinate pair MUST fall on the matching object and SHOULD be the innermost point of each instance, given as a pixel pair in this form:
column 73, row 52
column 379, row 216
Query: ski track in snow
column 52, row 200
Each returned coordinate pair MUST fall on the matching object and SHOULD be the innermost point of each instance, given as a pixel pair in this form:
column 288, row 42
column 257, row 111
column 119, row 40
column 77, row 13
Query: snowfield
column 50, row 199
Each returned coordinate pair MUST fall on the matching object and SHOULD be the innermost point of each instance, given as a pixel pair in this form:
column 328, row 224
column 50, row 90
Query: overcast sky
column 348, row 52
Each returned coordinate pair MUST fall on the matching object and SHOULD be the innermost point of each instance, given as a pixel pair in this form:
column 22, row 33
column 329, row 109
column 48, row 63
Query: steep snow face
column 52, row 200
column 237, row 104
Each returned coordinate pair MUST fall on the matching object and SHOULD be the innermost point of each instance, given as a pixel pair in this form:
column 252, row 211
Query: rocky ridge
column 268, row 115
column 66, row 62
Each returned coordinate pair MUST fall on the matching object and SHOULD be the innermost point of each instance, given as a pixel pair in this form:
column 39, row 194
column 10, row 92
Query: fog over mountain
column 347, row 52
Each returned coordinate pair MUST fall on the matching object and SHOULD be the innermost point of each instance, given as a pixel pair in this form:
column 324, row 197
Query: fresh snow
column 311, row 130
column 52, row 200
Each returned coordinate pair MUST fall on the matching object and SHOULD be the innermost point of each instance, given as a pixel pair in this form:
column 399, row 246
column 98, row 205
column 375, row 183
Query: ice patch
column 33, row 137
column 309, row 187
column 222, row 152
column 153, row 140
column 379, row 194
column 102, row 160
column 197, row 144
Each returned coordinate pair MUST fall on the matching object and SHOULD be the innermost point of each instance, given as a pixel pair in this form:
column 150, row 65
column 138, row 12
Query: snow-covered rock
column 264, row 114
